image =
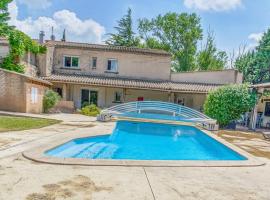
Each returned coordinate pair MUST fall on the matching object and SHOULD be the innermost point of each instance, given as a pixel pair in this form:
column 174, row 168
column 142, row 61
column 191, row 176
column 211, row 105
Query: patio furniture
column 266, row 135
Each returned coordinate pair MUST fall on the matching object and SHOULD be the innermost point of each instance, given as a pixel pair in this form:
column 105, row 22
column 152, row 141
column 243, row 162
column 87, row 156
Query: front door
column 89, row 97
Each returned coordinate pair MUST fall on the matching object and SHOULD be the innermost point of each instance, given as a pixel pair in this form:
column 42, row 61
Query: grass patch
column 14, row 123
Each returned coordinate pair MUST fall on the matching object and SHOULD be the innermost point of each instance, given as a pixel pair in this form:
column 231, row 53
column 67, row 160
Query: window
column 34, row 95
column 59, row 91
column 112, row 65
column 267, row 109
column 94, row 62
column 117, row 97
column 71, row 61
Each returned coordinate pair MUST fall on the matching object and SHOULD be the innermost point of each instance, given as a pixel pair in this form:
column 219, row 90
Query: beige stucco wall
column 34, row 107
column 148, row 95
column 45, row 61
column 129, row 65
column 212, row 77
column 106, row 95
column 195, row 101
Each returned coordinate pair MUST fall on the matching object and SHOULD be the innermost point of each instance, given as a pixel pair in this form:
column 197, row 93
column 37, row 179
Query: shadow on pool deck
column 252, row 142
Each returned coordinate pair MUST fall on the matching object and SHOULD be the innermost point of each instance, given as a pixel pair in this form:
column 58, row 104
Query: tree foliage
column 125, row 36
column 209, row 58
column 50, row 99
column 175, row 33
column 229, row 102
column 255, row 65
column 4, row 17
column 19, row 43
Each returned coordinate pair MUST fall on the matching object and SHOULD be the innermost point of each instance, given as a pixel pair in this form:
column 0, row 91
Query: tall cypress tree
column 4, row 17
column 125, row 36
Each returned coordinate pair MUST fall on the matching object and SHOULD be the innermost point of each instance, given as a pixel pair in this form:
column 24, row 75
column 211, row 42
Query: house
column 108, row 75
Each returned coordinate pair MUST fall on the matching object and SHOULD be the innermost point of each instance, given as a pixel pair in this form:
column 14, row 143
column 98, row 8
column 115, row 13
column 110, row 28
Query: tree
column 4, row 17
column 229, row 102
column 255, row 64
column 209, row 58
column 175, row 33
column 125, row 35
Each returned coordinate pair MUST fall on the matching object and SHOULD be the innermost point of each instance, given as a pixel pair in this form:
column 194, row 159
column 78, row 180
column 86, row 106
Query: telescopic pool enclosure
column 157, row 112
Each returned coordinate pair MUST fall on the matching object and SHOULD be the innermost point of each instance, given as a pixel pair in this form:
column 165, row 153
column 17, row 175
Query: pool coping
column 38, row 155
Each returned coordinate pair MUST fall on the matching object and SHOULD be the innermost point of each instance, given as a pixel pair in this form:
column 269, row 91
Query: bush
column 229, row 102
column 90, row 110
column 85, row 103
column 50, row 99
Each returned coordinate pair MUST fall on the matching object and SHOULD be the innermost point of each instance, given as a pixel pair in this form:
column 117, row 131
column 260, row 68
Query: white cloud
column 256, row 37
column 36, row 4
column 77, row 30
column 215, row 5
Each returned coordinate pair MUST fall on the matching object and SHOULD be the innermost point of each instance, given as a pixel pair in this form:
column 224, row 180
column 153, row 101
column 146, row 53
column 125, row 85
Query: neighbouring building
column 108, row 75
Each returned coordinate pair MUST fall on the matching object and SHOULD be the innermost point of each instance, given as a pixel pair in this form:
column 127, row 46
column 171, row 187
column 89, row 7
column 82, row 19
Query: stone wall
column 12, row 90
column 15, row 93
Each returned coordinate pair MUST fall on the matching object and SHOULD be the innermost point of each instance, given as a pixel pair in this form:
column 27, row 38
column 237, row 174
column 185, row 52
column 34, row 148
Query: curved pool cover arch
column 157, row 111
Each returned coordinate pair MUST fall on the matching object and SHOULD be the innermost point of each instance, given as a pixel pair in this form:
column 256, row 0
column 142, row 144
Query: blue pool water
column 148, row 141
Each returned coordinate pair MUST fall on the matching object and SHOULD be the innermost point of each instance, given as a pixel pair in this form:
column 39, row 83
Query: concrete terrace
column 21, row 178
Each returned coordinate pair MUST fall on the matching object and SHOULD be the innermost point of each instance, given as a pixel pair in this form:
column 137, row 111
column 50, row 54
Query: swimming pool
column 147, row 141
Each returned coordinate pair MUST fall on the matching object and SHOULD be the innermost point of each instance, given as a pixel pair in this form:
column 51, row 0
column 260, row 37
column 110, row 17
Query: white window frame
column 115, row 70
column 71, row 67
column 34, row 95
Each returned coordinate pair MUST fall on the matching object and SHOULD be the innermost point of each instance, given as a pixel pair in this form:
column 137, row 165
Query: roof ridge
column 109, row 47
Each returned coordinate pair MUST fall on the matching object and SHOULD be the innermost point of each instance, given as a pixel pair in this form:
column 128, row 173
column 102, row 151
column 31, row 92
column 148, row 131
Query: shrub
column 90, row 110
column 85, row 103
column 50, row 99
column 229, row 102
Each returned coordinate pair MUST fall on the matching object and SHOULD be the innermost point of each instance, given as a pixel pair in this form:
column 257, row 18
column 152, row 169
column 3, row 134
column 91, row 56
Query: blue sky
column 235, row 22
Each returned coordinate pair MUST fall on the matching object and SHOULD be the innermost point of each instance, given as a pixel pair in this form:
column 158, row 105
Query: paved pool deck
column 21, row 178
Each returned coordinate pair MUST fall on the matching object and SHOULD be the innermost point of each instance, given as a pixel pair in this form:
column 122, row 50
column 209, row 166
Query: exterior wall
column 75, row 94
column 148, row 95
column 4, row 50
column 12, row 92
column 211, row 77
column 195, row 101
column 106, row 95
column 38, row 106
column 45, row 61
column 129, row 65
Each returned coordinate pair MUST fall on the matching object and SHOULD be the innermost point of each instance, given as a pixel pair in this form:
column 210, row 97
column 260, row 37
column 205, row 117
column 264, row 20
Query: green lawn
column 12, row 123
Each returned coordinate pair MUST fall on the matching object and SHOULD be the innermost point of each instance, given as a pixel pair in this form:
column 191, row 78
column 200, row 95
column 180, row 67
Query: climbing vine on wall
column 20, row 44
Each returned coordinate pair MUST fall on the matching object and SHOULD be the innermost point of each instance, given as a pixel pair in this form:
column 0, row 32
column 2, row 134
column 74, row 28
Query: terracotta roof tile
column 108, row 48
column 132, row 83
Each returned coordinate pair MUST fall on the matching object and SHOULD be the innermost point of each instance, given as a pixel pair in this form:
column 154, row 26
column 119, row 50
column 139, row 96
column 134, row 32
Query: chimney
column 64, row 36
column 52, row 36
column 41, row 37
